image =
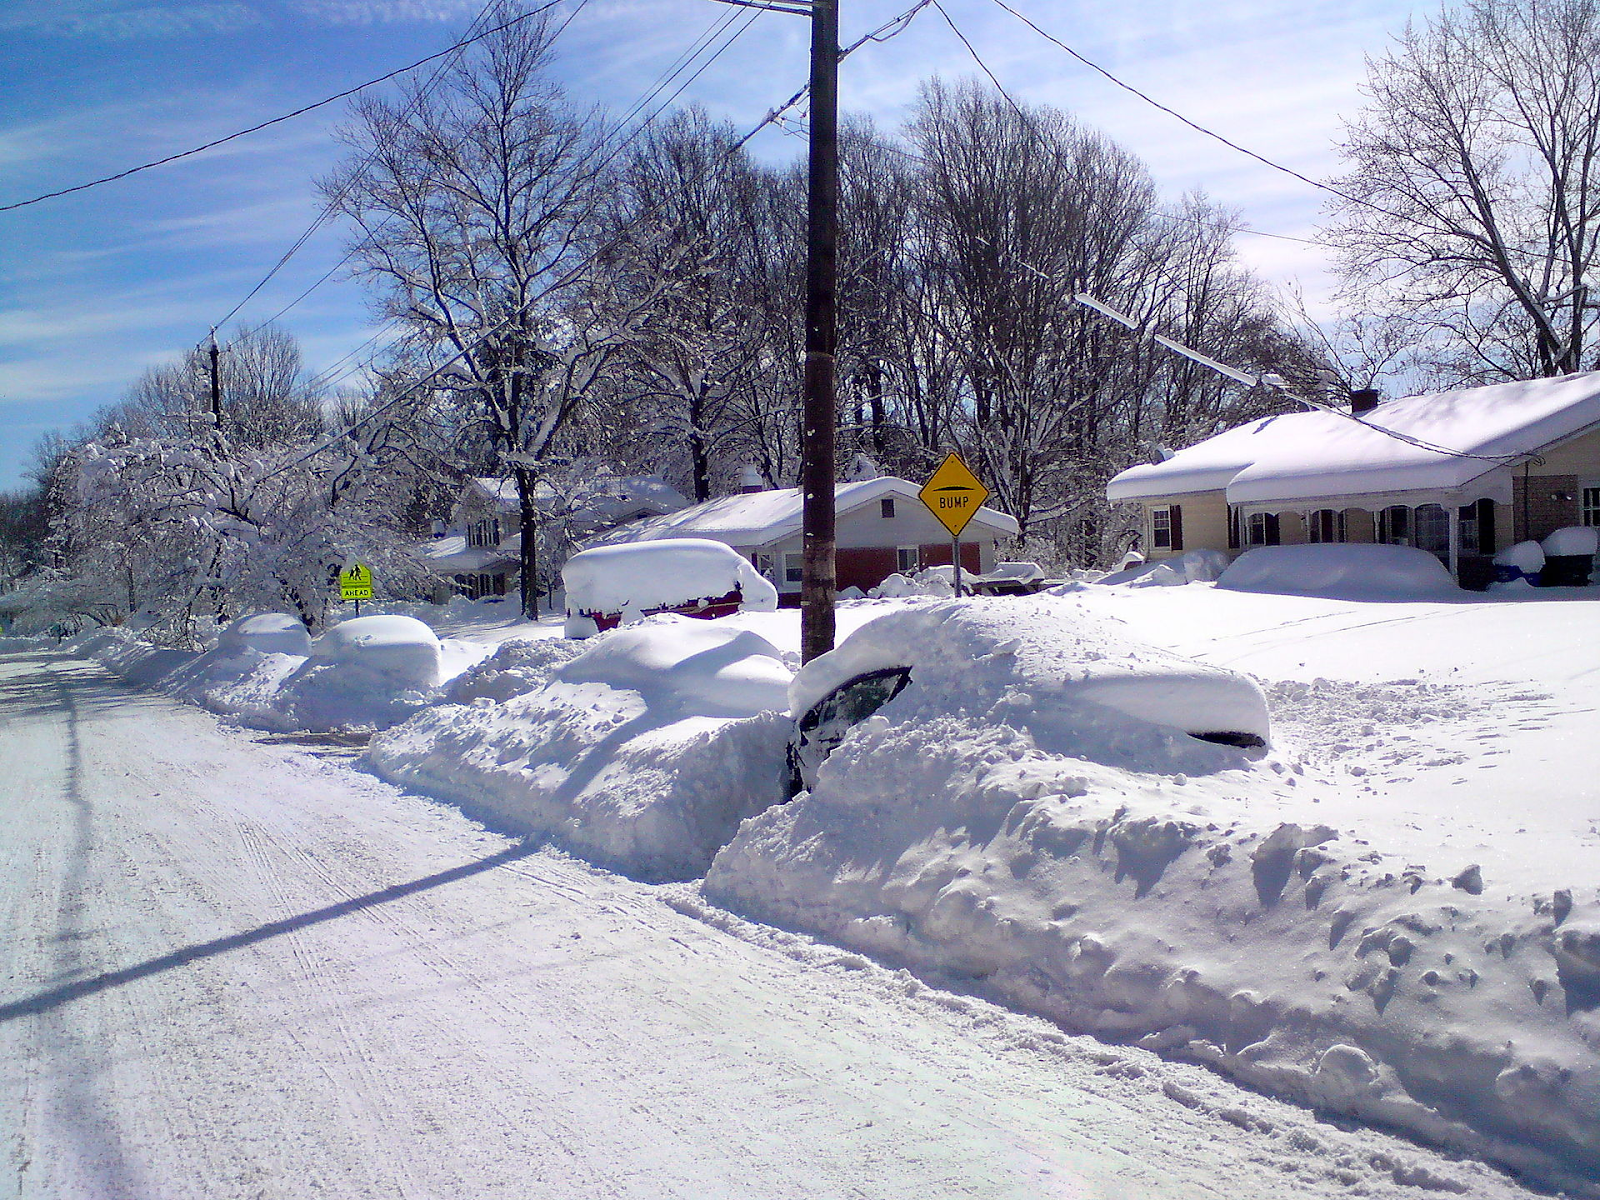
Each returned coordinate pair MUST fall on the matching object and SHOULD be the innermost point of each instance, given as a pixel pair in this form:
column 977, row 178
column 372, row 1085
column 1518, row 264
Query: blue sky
column 97, row 286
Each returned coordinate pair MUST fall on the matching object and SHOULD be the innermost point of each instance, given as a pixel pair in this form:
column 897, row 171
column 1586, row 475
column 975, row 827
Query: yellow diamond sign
column 953, row 494
column 355, row 584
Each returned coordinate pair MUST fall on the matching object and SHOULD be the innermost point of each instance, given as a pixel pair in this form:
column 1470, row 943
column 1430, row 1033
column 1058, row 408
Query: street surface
column 235, row 967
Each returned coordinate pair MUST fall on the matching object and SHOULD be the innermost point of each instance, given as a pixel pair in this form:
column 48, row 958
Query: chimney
column 750, row 481
column 1364, row 400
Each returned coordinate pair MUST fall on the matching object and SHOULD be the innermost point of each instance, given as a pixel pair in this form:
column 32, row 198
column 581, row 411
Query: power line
column 67, row 191
column 673, row 70
column 999, row 87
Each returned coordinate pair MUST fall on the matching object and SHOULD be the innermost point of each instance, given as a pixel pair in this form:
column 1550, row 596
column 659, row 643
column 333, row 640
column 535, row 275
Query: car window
column 855, row 701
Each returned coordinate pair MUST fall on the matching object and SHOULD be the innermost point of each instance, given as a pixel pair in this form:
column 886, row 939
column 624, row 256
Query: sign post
column 953, row 494
column 355, row 584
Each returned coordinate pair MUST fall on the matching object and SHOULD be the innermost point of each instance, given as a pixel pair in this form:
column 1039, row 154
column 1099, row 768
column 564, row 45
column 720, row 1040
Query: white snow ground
column 244, row 970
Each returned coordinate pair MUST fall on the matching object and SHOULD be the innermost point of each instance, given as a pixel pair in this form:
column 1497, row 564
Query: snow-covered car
column 695, row 577
column 1037, row 651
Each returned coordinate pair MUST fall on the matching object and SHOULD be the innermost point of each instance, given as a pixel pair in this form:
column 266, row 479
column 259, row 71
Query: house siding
column 1205, row 523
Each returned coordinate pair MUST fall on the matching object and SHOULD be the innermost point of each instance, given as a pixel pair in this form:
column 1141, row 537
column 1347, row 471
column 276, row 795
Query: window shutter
column 1272, row 529
column 1177, row 527
column 1233, row 528
column 1486, row 543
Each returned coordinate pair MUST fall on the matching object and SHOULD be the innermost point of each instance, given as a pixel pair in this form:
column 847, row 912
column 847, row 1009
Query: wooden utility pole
column 818, row 579
column 216, row 385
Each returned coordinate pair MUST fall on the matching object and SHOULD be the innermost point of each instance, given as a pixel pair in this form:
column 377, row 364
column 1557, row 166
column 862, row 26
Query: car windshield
column 853, row 702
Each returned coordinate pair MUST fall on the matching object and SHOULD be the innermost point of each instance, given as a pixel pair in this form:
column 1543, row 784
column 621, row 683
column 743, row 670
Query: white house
column 1460, row 474
column 882, row 528
column 482, row 552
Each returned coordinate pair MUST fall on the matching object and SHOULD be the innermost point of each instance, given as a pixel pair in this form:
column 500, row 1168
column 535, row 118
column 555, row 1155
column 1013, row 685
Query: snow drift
column 1071, row 860
column 1342, row 571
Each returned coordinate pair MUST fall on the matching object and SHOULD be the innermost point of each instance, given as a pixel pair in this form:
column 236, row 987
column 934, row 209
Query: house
column 1460, row 474
column 481, row 552
column 882, row 528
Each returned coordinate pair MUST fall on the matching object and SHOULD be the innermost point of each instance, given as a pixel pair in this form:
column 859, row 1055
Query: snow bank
column 636, row 578
column 517, row 666
column 269, row 633
column 1341, row 571
column 1179, row 896
column 691, row 666
column 643, row 752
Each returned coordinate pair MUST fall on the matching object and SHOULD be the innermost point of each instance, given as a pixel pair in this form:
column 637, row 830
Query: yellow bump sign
column 953, row 494
column 355, row 584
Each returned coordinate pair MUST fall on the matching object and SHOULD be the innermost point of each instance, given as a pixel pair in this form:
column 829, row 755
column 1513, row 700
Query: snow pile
column 1161, row 891
column 121, row 651
column 1344, row 571
column 688, row 666
column 643, row 752
column 635, row 579
column 1192, row 566
column 1573, row 539
column 268, row 633
column 369, row 671
column 517, row 666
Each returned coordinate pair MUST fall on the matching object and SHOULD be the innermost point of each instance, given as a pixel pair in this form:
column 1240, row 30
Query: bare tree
column 1471, row 208
column 475, row 204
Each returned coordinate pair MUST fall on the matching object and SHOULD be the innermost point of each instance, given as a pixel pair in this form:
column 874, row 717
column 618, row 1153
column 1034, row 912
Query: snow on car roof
column 1306, row 455
column 1045, row 644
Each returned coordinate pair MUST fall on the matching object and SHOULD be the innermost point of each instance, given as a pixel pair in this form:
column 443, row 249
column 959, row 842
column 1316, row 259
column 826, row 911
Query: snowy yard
column 1389, row 914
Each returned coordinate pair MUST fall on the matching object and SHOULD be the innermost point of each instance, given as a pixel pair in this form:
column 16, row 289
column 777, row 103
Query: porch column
column 1453, row 515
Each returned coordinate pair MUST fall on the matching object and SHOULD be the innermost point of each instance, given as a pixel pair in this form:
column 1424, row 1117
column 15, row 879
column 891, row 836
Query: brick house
column 1461, row 474
column 882, row 529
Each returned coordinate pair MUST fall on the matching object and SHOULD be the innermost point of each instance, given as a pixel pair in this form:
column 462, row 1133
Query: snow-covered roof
column 1308, row 455
column 597, row 501
column 759, row 518
column 452, row 556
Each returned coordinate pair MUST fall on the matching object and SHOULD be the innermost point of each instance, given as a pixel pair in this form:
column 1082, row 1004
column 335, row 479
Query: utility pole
column 216, row 385
column 818, row 578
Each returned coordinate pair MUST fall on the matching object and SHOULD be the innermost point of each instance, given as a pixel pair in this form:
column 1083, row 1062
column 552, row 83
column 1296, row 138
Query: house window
column 1325, row 525
column 907, row 559
column 1261, row 529
column 792, row 564
column 763, row 564
column 1161, row 529
column 1467, row 528
column 1591, row 504
column 1394, row 525
column 1431, row 527
column 886, row 507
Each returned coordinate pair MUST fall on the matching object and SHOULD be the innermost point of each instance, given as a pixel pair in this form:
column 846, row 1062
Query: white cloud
column 123, row 20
